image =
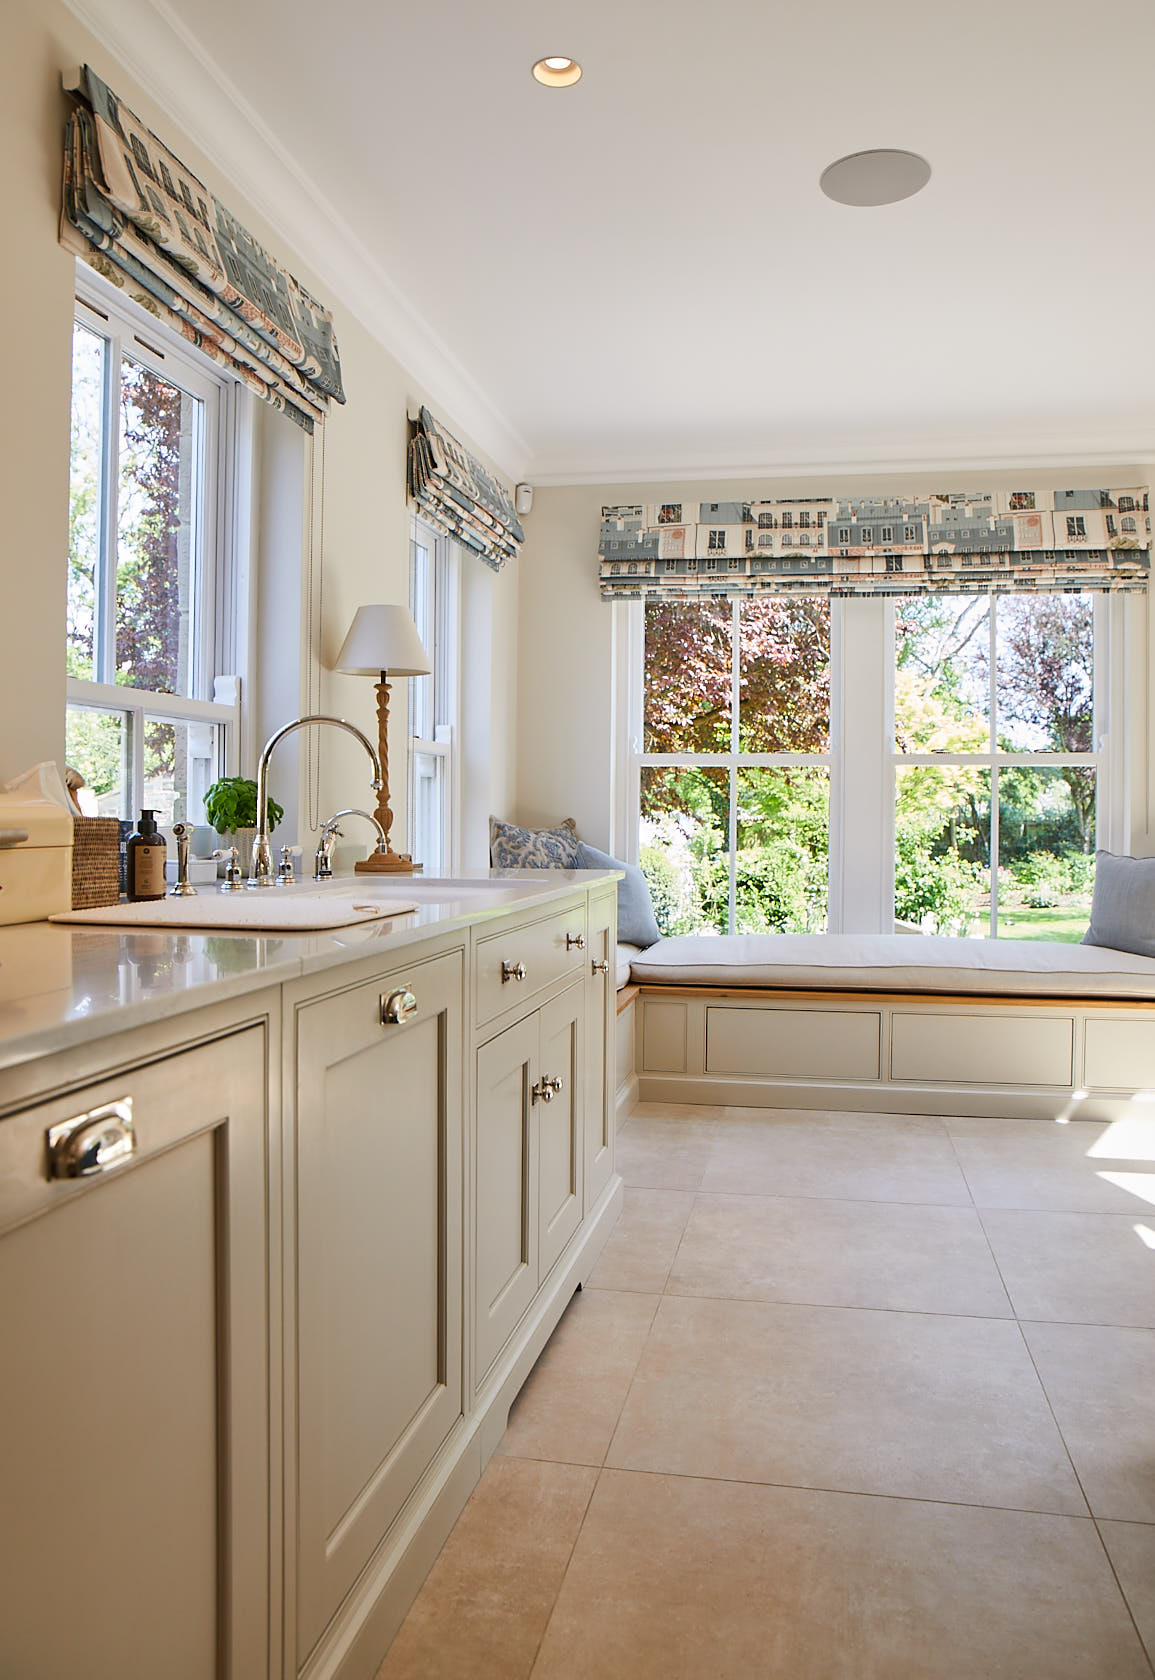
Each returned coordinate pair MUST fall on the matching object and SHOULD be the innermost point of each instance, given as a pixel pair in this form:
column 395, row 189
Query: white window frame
column 215, row 661
column 440, row 620
column 861, row 756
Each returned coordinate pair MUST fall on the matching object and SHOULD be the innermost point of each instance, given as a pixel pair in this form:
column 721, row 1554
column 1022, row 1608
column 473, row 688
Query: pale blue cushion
column 636, row 923
column 511, row 847
column 1123, row 904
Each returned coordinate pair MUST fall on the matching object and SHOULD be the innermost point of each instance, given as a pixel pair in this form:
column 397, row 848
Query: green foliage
column 231, row 803
column 942, row 884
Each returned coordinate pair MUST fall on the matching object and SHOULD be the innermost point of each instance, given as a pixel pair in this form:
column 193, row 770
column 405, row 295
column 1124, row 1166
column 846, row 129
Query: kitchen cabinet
column 255, row 1364
column 134, row 1410
column 377, row 1267
column 530, row 1162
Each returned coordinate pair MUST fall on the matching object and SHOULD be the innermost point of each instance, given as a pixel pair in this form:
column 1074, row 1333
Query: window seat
column 895, row 1023
column 896, row 962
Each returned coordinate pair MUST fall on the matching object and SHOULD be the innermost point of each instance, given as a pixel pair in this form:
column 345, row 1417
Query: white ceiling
column 639, row 277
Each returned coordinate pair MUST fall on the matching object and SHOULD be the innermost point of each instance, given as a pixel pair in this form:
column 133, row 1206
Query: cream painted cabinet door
column 530, row 1163
column 379, row 1208
column 601, row 1059
column 505, row 1272
column 134, row 1406
column 558, row 1122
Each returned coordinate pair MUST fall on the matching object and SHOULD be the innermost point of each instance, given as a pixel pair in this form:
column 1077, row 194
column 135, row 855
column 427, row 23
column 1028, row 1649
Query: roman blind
column 1046, row 541
column 135, row 213
column 457, row 495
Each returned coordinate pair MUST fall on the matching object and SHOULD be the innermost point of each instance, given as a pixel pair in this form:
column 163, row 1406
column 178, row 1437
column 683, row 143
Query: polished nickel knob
column 546, row 1088
column 599, row 966
column 512, row 971
column 92, row 1143
column 399, row 1006
column 575, row 941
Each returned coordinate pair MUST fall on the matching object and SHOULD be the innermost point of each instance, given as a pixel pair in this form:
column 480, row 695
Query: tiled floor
column 847, row 1397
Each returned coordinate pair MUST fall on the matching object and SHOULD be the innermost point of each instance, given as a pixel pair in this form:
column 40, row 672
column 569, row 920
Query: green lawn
column 1066, row 924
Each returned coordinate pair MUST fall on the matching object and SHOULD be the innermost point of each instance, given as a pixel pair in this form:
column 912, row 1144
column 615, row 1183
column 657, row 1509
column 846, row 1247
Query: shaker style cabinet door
column 601, row 1056
column 379, row 1141
column 134, row 1453
column 505, row 1269
column 530, row 1163
column 560, row 1134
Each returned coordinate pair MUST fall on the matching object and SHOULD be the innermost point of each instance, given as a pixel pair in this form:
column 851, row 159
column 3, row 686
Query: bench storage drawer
column 793, row 1043
column 1120, row 1055
column 991, row 1049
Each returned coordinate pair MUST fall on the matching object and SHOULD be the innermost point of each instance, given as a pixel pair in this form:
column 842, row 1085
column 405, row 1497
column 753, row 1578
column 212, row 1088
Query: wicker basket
column 95, row 862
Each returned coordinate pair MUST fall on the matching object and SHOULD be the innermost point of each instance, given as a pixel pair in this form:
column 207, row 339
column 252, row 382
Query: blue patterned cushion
column 511, row 847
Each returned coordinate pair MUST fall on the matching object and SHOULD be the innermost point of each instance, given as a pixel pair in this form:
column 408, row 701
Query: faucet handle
column 285, row 874
column 232, row 881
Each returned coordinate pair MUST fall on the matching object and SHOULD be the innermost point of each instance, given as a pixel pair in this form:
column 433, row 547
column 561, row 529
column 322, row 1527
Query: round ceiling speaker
column 880, row 177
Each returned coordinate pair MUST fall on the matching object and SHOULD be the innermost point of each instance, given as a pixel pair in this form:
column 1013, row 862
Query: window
column 894, row 562
column 1128, row 526
column 909, row 534
column 1110, row 524
column 734, row 773
column 1076, row 526
column 765, row 521
column 433, row 700
column 844, row 533
column 997, row 777
column 717, row 539
column 149, row 711
column 804, row 520
column 866, row 535
column 787, row 521
column 948, row 768
column 887, row 533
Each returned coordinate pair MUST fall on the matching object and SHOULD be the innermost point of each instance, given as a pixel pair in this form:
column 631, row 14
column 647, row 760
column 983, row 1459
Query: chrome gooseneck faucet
column 261, row 866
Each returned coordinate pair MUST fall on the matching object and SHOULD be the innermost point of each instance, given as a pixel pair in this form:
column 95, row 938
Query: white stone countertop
column 62, row 985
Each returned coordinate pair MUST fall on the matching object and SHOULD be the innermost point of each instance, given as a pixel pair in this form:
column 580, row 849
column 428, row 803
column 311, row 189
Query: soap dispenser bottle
column 146, row 859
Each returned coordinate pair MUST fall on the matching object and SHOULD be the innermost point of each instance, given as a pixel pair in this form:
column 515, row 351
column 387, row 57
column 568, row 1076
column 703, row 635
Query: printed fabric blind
column 137, row 215
column 457, row 495
column 1044, row 541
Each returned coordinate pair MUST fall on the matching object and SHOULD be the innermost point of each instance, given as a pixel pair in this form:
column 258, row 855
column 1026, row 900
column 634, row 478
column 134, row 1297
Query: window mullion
column 104, row 630
column 993, row 742
column 732, row 779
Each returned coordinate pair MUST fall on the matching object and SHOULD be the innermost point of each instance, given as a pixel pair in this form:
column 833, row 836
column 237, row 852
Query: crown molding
column 949, row 460
column 161, row 53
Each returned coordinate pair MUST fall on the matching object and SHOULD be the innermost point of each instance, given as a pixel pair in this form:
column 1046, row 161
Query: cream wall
column 566, row 666
column 359, row 519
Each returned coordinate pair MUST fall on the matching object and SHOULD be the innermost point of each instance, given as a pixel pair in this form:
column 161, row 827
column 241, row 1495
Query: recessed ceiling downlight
column 881, row 177
column 557, row 72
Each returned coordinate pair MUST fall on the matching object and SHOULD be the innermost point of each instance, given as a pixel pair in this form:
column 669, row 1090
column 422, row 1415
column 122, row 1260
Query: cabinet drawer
column 1120, row 1055
column 793, row 1043
column 539, row 948
column 981, row 1049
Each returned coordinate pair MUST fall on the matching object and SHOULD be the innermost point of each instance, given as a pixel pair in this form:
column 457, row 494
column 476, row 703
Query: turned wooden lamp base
column 387, row 863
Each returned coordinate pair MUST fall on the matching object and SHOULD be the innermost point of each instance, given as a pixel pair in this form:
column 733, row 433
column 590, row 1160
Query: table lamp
column 383, row 643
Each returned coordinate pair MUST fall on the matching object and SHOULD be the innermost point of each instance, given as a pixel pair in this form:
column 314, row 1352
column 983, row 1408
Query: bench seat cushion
column 625, row 957
column 884, row 962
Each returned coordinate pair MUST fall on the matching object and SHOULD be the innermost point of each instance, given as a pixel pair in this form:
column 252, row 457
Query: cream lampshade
column 383, row 642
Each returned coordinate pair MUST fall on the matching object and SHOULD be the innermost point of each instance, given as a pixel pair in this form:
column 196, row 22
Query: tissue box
column 35, row 858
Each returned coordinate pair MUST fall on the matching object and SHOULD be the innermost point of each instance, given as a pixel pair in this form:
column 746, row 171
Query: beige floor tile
column 875, row 1157
column 573, row 1397
column 907, row 1404
column 1101, row 1384
column 1035, row 1164
column 486, row 1601
column 1131, row 1548
column 643, row 1243
column 1075, row 1268
column 656, row 1154
column 839, row 1253
column 677, row 1579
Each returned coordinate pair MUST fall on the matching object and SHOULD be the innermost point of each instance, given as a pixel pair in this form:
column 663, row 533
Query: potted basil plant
column 231, row 808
